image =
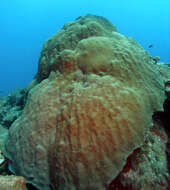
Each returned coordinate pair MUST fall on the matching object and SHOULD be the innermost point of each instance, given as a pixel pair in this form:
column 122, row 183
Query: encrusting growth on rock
column 92, row 107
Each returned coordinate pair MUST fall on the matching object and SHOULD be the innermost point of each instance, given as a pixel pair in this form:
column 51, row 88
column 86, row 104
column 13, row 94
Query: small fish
column 150, row 46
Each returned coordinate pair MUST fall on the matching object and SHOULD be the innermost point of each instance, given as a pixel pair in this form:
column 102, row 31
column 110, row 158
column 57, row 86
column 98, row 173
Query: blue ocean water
column 26, row 24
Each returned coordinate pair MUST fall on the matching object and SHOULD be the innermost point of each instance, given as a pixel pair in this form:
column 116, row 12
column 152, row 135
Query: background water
column 26, row 24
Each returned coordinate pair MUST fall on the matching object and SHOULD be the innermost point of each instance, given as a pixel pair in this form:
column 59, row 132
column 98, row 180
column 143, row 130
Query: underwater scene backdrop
column 25, row 25
column 90, row 109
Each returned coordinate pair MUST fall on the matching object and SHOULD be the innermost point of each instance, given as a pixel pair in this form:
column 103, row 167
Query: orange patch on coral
column 68, row 64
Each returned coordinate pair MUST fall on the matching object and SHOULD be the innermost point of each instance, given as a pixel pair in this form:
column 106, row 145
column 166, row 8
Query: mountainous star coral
column 92, row 107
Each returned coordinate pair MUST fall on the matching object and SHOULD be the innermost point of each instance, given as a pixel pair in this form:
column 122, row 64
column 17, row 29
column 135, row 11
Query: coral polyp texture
column 12, row 183
column 91, row 109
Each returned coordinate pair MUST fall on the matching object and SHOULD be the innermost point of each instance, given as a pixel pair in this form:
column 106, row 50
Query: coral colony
column 92, row 118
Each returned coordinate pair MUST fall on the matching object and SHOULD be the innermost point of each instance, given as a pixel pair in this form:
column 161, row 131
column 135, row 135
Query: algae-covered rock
column 3, row 163
column 148, row 169
column 12, row 183
column 3, row 134
column 93, row 106
column 11, row 106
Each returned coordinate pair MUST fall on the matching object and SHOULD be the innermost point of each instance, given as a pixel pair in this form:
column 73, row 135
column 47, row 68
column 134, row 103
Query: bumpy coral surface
column 146, row 168
column 92, row 107
column 11, row 107
column 12, row 183
column 3, row 134
column 68, row 38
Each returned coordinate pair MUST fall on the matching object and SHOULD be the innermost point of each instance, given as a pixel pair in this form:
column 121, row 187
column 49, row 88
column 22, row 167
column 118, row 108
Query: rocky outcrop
column 12, row 183
column 146, row 168
column 92, row 108
column 11, row 107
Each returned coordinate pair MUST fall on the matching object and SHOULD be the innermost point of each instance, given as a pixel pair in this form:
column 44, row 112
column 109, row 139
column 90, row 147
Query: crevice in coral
column 31, row 187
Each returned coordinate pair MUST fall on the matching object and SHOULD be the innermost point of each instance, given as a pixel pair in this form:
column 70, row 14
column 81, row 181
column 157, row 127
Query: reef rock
column 3, row 134
column 11, row 107
column 12, row 183
column 92, row 107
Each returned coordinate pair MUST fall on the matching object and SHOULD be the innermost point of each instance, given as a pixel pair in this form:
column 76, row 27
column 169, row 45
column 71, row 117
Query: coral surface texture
column 92, row 107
